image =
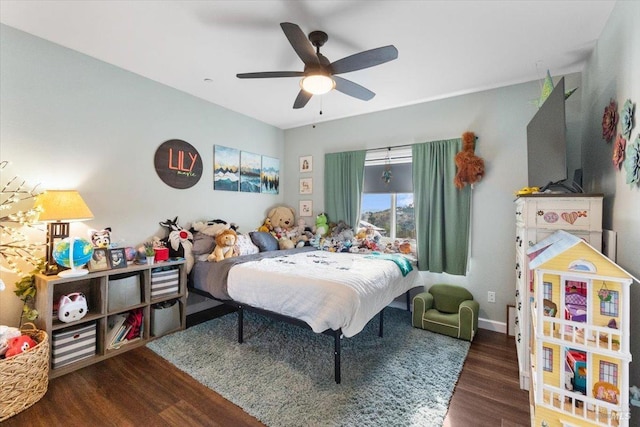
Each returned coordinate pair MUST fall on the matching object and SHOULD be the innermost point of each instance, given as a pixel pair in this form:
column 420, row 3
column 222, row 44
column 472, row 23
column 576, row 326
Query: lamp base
column 74, row 272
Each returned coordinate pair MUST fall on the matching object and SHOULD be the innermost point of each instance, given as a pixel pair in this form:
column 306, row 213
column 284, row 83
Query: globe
column 73, row 253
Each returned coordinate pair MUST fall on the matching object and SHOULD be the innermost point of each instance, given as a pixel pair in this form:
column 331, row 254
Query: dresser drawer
column 565, row 214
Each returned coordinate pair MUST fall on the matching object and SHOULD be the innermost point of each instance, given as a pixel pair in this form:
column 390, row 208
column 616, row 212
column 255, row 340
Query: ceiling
column 446, row 48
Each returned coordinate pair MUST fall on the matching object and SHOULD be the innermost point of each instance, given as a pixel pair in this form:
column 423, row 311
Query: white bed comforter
column 326, row 290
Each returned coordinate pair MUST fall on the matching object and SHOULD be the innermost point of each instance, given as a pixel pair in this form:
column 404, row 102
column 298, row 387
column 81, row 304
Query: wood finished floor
column 140, row 388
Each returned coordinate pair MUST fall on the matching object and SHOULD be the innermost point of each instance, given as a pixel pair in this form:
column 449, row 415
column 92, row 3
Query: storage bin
column 164, row 281
column 124, row 291
column 24, row 378
column 72, row 344
column 165, row 317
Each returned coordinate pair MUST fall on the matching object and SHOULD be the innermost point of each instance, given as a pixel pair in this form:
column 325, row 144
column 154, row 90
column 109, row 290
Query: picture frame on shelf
column 117, row 258
column 99, row 260
column 306, row 185
column 306, row 164
column 305, row 208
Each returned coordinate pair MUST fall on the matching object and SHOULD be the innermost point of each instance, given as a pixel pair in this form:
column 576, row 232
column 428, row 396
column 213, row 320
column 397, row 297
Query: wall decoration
column 270, row 176
column 250, row 166
column 610, row 121
column 306, row 163
column 178, row 163
column 618, row 151
column 626, row 118
column 226, row 168
column 632, row 162
column 306, row 208
column 306, row 185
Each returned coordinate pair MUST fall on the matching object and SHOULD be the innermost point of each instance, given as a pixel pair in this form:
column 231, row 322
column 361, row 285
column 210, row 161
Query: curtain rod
column 403, row 145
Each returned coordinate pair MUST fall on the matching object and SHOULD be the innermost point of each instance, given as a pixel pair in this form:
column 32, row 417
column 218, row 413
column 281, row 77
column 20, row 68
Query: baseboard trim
column 492, row 325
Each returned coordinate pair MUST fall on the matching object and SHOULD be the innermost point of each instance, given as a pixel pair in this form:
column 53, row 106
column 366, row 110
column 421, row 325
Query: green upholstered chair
column 448, row 310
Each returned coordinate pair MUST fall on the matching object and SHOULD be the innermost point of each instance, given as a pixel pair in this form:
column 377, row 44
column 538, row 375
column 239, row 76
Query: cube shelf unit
column 98, row 287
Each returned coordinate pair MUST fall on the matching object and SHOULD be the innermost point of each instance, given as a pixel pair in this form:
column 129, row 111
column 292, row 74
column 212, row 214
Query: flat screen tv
column 547, row 144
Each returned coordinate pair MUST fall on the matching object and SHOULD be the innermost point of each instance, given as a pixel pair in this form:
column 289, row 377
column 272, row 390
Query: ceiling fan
column 319, row 75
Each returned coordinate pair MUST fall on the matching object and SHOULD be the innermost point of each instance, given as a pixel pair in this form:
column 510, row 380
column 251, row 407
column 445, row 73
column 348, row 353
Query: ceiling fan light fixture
column 317, row 84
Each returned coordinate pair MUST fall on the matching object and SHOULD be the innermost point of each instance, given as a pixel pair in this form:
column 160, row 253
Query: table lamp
column 55, row 207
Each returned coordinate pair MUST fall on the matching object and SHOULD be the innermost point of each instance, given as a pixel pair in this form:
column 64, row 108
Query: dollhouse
column 580, row 335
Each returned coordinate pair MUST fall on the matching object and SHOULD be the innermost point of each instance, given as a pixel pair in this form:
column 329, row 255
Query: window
column 609, row 305
column 387, row 198
column 547, row 290
column 547, row 359
column 609, row 372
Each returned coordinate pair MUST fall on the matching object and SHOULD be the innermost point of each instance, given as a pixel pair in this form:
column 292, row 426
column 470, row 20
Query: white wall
column 613, row 73
column 499, row 118
column 70, row 121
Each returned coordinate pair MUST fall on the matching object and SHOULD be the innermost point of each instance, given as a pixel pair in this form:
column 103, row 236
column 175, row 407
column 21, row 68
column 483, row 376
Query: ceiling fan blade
column 300, row 43
column 353, row 89
column 365, row 59
column 302, row 99
column 269, row 74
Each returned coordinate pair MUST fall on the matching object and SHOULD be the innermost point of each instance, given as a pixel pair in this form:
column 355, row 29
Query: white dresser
column 538, row 216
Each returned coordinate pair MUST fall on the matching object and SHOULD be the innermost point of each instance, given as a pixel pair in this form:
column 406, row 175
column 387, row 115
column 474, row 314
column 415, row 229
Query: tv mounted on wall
column 547, row 145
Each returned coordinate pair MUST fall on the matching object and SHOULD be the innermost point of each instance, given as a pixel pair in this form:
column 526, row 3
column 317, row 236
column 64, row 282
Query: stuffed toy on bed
column 225, row 245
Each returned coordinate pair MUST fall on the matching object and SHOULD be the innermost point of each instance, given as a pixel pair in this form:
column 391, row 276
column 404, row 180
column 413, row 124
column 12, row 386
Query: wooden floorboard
column 140, row 388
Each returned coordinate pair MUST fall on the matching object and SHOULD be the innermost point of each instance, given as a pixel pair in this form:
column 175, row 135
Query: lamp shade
column 62, row 205
column 317, row 84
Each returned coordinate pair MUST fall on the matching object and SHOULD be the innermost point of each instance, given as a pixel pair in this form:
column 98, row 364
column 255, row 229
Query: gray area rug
column 283, row 374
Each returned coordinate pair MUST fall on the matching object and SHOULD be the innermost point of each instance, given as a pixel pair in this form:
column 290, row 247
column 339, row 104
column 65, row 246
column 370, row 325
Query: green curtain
column 442, row 211
column 343, row 182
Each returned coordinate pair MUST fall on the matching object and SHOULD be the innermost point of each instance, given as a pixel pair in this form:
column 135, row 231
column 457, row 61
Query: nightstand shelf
column 109, row 293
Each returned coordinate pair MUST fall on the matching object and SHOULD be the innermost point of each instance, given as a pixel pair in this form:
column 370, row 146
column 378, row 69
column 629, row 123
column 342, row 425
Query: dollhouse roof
column 558, row 243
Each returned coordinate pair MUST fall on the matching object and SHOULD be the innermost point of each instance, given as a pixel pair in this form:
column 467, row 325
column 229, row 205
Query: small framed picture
column 306, row 185
column 117, row 258
column 306, row 208
column 306, row 163
column 99, row 260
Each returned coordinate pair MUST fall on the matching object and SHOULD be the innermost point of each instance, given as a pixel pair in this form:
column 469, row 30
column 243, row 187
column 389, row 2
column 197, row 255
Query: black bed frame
column 336, row 334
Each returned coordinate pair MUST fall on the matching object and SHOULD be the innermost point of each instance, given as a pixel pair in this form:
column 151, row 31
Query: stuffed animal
column 213, row 227
column 225, row 242
column 19, row 344
column 266, row 226
column 322, row 228
column 101, row 238
column 179, row 241
column 282, row 217
column 470, row 167
column 6, row 333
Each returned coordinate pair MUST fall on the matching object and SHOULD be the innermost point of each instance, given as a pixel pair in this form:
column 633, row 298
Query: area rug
column 283, row 374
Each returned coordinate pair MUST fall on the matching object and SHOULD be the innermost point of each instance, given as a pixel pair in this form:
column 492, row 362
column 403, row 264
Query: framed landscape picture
column 270, row 175
column 226, row 168
column 250, row 165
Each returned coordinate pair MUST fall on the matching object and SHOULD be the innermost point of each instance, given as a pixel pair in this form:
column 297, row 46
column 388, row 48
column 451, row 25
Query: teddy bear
column 225, row 243
column 19, row 344
column 470, row 167
column 282, row 217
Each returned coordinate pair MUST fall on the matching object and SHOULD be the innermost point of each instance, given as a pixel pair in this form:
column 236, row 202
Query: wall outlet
column 491, row 296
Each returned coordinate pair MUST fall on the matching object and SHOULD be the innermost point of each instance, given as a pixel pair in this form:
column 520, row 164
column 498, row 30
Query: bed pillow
column 203, row 243
column 264, row 241
column 245, row 245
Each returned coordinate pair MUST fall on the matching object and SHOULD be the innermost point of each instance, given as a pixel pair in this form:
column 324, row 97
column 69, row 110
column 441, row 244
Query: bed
column 576, row 307
column 332, row 293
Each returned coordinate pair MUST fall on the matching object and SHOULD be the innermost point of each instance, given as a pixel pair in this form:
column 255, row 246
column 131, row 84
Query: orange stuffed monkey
column 470, row 167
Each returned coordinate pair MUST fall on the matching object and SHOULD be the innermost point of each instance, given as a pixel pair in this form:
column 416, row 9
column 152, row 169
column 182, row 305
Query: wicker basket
column 24, row 378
